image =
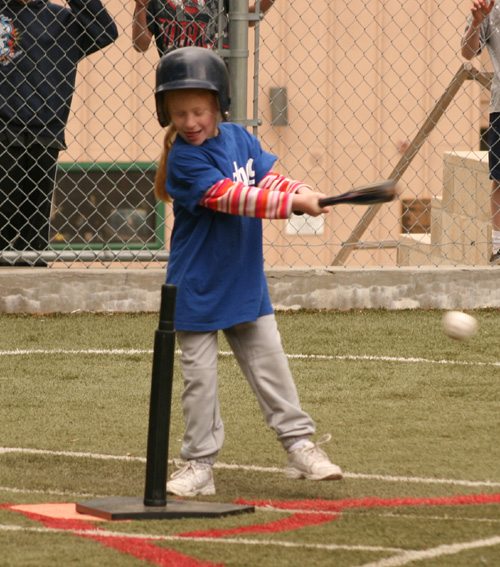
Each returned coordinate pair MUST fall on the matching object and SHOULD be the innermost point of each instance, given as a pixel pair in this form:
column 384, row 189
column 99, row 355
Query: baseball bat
column 370, row 194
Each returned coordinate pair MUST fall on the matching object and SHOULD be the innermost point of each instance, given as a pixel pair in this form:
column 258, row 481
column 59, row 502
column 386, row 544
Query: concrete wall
column 460, row 217
column 41, row 290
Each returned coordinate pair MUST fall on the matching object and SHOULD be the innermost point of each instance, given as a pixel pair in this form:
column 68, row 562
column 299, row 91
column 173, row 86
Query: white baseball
column 459, row 326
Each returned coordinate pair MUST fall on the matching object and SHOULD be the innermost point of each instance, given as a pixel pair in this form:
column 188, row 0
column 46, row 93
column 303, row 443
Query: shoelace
column 315, row 447
column 326, row 438
column 182, row 466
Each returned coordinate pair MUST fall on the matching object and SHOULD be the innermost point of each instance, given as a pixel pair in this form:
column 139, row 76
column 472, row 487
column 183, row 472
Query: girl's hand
column 304, row 189
column 306, row 201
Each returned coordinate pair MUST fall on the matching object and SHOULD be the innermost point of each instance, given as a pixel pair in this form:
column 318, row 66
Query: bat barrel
column 370, row 195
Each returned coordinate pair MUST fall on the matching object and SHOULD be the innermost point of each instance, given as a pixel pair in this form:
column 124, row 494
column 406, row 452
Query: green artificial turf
column 399, row 398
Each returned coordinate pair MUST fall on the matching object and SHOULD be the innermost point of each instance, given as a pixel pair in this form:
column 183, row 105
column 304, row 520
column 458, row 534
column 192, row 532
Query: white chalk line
column 224, row 540
column 425, row 517
column 49, row 492
column 74, row 351
column 452, row 549
column 120, row 351
column 253, row 468
column 403, row 557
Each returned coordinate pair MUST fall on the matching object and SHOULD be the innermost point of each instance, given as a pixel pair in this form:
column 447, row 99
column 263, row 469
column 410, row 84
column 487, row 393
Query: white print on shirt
column 8, row 40
column 245, row 175
column 180, row 3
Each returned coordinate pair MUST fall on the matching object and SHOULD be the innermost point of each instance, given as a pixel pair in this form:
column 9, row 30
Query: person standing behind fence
column 41, row 44
column 221, row 183
column 483, row 29
column 182, row 23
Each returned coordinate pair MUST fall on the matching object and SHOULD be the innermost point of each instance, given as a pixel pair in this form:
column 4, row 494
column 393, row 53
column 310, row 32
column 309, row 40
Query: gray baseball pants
column 259, row 352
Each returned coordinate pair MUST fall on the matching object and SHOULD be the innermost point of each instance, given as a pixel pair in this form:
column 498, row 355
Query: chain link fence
column 343, row 93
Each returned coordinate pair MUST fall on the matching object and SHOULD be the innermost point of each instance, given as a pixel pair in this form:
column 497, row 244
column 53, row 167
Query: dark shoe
column 495, row 258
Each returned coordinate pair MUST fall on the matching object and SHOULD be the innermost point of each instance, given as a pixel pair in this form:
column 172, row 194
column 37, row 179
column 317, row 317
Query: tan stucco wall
column 360, row 78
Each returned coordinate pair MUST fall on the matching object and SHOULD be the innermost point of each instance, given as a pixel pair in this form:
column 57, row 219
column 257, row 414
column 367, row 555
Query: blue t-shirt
column 216, row 259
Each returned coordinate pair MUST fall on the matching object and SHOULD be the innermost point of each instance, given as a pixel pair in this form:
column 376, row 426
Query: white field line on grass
column 50, row 492
column 403, row 557
column 120, row 351
column 444, row 518
column 442, row 550
column 242, row 541
column 253, row 468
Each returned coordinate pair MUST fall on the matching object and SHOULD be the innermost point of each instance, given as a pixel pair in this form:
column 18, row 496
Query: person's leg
column 495, row 216
column 258, row 349
column 259, row 352
column 204, row 433
column 494, row 165
column 38, row 188
column 11, row 175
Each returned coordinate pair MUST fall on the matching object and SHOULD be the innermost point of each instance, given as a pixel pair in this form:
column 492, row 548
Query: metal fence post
column 238, row 59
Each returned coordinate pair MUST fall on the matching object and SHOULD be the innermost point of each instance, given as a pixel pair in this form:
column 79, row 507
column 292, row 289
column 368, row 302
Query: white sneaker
column 191, row 479
column 312, row 463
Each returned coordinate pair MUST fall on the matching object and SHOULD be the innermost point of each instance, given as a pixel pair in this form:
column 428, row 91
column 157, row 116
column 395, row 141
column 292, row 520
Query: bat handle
column 321, row 202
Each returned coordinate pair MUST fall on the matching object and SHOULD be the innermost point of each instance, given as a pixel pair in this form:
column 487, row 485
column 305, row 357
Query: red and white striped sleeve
column 236, row 198
column 277, row 182
column 271, row 199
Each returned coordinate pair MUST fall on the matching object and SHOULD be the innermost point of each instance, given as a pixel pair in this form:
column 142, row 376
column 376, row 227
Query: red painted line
column 139, row 548
column 338, row 505
column 57, row 523
column 145, row 550
column 294, row 522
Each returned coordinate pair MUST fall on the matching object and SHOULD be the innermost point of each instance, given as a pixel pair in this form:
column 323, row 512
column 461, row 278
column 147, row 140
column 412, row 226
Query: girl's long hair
column 160, row 188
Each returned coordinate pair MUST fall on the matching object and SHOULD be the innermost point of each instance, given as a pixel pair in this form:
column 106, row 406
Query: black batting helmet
column 191, row 68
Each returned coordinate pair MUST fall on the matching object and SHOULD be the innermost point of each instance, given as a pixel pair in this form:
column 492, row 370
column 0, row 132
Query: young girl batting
column 222, row 185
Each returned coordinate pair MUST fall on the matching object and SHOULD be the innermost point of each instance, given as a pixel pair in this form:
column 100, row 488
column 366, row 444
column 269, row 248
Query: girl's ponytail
column 160, row 187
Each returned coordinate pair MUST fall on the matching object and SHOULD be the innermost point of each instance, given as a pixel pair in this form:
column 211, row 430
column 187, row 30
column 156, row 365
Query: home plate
column 58, row 510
